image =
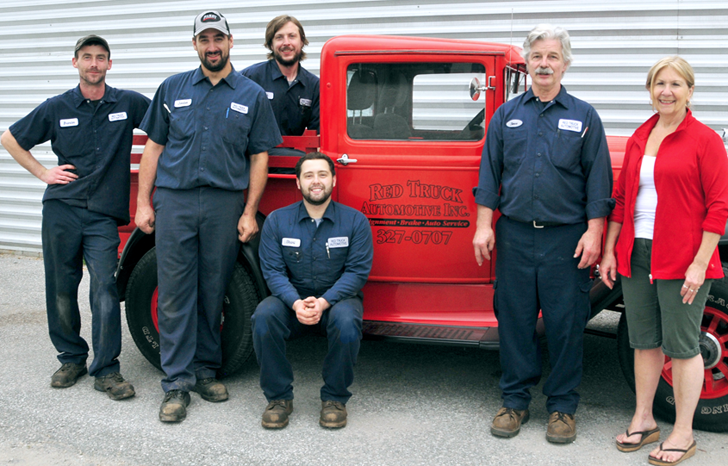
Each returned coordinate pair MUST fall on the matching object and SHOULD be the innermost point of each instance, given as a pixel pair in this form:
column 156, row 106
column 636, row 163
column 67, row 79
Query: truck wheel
column 240, row 301
column 712, row 411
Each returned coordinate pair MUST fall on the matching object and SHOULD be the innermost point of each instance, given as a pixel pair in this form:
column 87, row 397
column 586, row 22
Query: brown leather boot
column 562, row 428
column 507, row 422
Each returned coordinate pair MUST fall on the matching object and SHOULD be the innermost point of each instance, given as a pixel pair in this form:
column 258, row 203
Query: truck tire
column 241, row 299
column 712, row 411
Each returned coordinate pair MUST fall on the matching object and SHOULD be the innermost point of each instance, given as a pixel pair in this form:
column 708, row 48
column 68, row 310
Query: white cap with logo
column 210, row 20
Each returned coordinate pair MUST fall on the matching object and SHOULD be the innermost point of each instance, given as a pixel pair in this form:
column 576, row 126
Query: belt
column 538, row 224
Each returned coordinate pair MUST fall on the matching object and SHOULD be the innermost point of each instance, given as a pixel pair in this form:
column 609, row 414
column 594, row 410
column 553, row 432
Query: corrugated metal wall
column 614, row 44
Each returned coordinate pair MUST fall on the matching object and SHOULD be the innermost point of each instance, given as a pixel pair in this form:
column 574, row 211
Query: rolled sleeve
column 713, row 170
column 491, row 165
column 156, row 120
column 597, row 166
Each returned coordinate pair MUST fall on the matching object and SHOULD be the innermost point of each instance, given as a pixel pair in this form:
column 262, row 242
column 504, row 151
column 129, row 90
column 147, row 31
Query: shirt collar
column 330, row 212
column 275, row 72
column 562, row 98
column 232, row 79
column 109, row 95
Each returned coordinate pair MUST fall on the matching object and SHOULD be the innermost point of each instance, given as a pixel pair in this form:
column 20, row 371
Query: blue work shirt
column 546, row 162
column 295, row 105
column 96, row 138
column 209, row 131
column 299, row 259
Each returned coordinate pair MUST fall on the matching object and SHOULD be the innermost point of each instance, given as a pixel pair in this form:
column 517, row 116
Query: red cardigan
column 691, row 179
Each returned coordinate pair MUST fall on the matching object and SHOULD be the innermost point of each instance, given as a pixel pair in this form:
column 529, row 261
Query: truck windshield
column 414, row 101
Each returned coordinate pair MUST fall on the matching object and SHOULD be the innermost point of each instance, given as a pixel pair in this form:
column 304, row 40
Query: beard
column 224, row 58
column 296, row 58
column 93, row 81
column 325, row 195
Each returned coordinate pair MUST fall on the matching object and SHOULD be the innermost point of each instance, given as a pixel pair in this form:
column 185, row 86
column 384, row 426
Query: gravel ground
column 412, row 405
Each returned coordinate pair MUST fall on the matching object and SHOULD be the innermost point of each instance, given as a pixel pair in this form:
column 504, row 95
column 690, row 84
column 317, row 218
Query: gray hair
column 546, row 32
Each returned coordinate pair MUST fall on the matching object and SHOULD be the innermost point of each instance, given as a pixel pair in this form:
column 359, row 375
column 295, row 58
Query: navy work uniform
column 295, row 104
column 546, row 166
column 80, row 219
column 208, row 133
column 301, row 258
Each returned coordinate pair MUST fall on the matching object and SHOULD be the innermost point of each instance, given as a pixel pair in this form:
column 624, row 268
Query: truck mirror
column 475, row 89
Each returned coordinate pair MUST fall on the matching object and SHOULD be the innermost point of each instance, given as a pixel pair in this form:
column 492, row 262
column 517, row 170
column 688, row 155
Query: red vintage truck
column 405, row 121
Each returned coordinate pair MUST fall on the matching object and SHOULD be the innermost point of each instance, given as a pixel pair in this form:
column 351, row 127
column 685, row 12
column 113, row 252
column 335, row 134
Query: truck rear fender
column 248, row 256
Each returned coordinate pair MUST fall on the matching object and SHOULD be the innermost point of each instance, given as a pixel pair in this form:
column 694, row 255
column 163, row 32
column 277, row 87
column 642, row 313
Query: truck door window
column 414, row 102
column 515, row 79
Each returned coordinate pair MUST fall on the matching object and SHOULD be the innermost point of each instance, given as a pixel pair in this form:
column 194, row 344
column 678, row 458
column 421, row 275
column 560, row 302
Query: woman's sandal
column 687, row 454
column 648, row 436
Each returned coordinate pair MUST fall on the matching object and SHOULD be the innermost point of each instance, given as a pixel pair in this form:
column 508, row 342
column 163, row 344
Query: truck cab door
column 408, row 160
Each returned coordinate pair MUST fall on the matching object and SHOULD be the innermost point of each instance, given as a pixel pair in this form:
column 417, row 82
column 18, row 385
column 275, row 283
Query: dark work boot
column 333, row 414
column 276, row 414
column 115, row 386
column 211, row 389
column 174, row 406
column 67, row 375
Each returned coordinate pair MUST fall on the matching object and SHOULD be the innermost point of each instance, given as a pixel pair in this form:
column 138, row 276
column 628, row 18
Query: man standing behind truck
column 293, row 91
column 90, row 128
column 546, row 166
column 209, row 130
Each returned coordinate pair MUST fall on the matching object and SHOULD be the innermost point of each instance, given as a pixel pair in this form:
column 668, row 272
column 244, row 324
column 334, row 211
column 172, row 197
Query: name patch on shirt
column 239, row 108
column 182, row 103
column 291, row 242
column 270, row 95
column 305, row 102
column 117, row 116
column 69, row 122
column 514, row 123
column 570, row 125
column 338, row 242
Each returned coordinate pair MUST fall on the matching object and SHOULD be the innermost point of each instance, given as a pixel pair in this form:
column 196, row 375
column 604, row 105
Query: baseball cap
column 91, row 39
column 210, row 19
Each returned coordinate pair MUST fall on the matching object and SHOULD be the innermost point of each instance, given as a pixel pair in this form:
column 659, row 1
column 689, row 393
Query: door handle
column 345, row 160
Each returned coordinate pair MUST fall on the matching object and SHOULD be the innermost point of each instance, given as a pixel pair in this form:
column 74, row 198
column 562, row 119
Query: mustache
column 544, row 70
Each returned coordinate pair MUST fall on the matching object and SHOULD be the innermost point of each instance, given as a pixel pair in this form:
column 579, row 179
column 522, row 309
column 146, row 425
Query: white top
column 646, row 203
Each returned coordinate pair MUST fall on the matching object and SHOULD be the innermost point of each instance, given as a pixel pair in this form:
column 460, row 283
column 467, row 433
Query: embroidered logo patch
column 239, row 108
column 291, row 242
column 182, row 103
column 270, row 95
column 69, row 122
column 338, row 242
column 305, row 102
column 570, row 125
column 514, row 123
column 117, row 116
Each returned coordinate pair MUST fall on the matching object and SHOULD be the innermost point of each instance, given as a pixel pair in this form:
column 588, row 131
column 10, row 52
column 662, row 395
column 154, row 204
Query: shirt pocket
column 567, row 150
column 182, row 123
column 236, row 128
column 515, row 144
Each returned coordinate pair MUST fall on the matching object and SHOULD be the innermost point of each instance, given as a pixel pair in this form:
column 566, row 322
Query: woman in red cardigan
column 672, row 206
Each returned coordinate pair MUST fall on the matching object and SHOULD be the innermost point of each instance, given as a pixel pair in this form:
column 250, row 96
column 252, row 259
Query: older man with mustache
column 546, row 166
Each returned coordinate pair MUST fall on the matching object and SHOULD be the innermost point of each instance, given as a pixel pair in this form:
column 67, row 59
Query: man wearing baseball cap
column 90, row 128
column 209, row 130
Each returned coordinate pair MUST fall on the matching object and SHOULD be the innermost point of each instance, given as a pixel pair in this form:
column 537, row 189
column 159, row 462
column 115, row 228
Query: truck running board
column 483, row 337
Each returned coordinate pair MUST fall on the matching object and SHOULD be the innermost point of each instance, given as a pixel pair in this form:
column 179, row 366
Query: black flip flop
column 648, row 436
column 687, row 454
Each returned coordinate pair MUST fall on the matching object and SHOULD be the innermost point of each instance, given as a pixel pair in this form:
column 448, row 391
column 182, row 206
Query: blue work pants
column 536, row 269
column 274, row 324
column 197, row 246
column 71, row 235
